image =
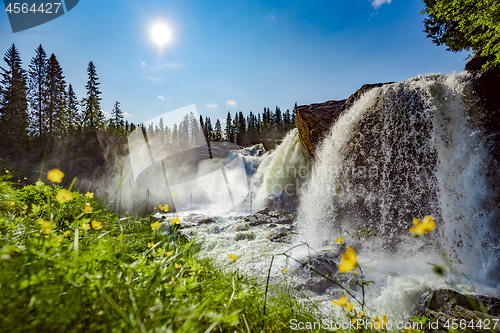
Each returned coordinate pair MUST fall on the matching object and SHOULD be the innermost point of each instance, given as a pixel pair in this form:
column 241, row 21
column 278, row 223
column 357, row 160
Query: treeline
column 242, row 130
column 37, row 104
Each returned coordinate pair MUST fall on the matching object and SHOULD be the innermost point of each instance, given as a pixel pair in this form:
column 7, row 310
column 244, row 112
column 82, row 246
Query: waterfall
column 280, row 174
column 406, row 150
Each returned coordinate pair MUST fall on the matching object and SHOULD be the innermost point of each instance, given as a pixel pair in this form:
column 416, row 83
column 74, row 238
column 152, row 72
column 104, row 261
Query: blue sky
column 234, row 55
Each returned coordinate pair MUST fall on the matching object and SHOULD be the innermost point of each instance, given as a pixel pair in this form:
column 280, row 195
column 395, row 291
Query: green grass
column 124, row 277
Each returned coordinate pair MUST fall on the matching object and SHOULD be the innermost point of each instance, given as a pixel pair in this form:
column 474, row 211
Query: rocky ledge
column 313, row 121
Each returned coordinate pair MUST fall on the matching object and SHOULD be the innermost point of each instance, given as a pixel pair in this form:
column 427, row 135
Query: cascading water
column 407, row 150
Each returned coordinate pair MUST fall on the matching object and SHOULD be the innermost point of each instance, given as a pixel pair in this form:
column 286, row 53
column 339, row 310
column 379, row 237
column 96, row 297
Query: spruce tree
column 117, row 116
column 13, row 104
column 38, row 89
column 72, row 105
column 93, row 118
column 218, row 131
column 56, row 94
column 229, row 128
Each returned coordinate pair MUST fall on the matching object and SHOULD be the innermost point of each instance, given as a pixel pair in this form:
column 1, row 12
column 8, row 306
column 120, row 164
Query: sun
column 161, row 34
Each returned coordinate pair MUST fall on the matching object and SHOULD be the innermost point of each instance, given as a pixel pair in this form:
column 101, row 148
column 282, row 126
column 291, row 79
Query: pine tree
column 72, row 105
column 38, row 89
column 218, row 131
column 13, row 104
column 56, row 94
column 229, row 128
column 209, row 129
column 93, row 118
column 117, row 116
column 294, row 114
column 241, row 129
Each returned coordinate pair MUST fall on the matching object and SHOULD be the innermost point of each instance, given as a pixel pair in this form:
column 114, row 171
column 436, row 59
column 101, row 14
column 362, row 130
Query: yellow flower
column 175, row 221
column 89, row 195
column 55, row 175
column 39, row 183
column 342, row 301
column 104, row 240
column 96, row 225
column 64, row 196
column 46, row 227
column 406, row 330
column 151, row 244
column 181, row 196
column 6, row 171
column 85, row 226
column 381, row 323
column 177, row 266
column 349, row 261
column 67, row 233
column 232, row 256
column 12, row 203
column 355, row 273
column 361, row 314
column 59, row 238
column 173, row 193
column 24, row 178
column 168, row 253
column 155, row 225
column 87, row 208
column 339, row 240
column 423, row 227
column 154, row 208
column 285, row 270
column 164, row 208
column 349, row 306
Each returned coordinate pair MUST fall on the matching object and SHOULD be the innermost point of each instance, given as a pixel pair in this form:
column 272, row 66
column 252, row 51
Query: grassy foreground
column 68, row 265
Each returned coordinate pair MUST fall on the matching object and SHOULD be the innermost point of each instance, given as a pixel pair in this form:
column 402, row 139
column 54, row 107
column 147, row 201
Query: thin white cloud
column 106, row 113
column 153, row 79
column 269, row 17
column 126, row 114
column 231, row 102
column 223, row 120
column 172, row 65
column 211, row 106
column 377, row 3
column 160, row 97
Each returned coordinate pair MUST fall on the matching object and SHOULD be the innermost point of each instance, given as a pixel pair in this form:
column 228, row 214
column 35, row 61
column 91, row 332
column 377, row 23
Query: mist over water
column 407, row 150
column 402, row 151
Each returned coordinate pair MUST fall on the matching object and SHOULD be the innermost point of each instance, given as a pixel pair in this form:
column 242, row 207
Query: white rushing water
column 403, row 150
column 407, row 150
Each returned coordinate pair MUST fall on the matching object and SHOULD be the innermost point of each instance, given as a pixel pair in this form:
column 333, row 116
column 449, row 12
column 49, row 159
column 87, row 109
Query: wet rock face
column 313, row 121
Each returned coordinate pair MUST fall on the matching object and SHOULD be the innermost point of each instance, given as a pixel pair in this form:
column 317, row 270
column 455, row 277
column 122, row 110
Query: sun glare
column 161, row 34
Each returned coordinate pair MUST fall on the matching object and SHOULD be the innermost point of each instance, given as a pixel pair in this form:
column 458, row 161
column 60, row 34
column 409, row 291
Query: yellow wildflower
column 87, row 208
column 232, row 256
column 64, row 196
column 407, row 330
column 85, row 226
column 59, row 238
column 175, row 221
column 181, row 196
column 339, row 240
column 96, row 225
column 361, row 314
column 24, row 178
column 168, row 253
column 285, row 270
column 67, row 233
column 355, row 273
column 154, row 208
column 349, row 261
column 177, row 266
column 349, row 306
column 173, row 193
column 6, row 171
column 423, row 227
column 46, row 227
column 155, row 225
column 342, row 301
column 55, row 175
column 89, row 195
column 12, row 203
column 151, row 244
column 380, row 324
